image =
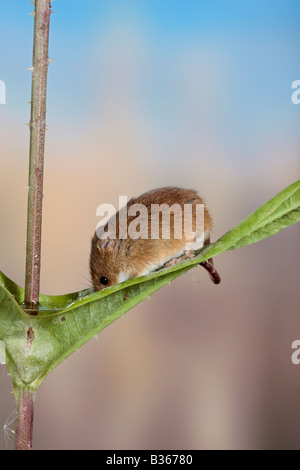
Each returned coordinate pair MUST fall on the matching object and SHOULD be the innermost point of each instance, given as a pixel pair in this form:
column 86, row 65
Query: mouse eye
column 103, row 280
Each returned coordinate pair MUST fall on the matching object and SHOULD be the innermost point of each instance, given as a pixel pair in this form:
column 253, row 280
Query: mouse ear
column 108, row 244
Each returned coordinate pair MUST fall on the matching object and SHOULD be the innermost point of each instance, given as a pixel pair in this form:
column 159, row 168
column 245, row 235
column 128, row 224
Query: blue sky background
column 247, row 50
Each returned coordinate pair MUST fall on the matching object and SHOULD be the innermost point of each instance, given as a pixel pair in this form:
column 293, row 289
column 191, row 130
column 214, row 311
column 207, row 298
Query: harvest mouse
column 130, row 244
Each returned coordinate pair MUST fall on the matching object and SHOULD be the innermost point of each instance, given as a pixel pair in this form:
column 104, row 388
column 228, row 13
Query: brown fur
column 109, row 257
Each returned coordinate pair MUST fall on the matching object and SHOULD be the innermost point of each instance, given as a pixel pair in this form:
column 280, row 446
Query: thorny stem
column 36, row 153
column 24, row 399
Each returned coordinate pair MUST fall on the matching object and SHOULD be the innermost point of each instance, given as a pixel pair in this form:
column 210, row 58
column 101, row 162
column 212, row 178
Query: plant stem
column 24, row 399
column 36, row 153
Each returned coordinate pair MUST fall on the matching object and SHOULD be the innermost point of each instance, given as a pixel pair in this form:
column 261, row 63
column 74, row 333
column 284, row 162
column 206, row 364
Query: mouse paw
column 187, row 255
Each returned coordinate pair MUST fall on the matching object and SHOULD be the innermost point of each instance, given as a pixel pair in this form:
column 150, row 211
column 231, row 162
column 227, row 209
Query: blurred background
column 192, row 93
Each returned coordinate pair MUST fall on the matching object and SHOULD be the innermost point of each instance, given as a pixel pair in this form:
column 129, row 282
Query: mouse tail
column 209, row 266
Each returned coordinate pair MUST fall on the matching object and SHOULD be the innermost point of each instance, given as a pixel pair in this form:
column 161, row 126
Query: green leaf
column 278, row 213
column 34, row 345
